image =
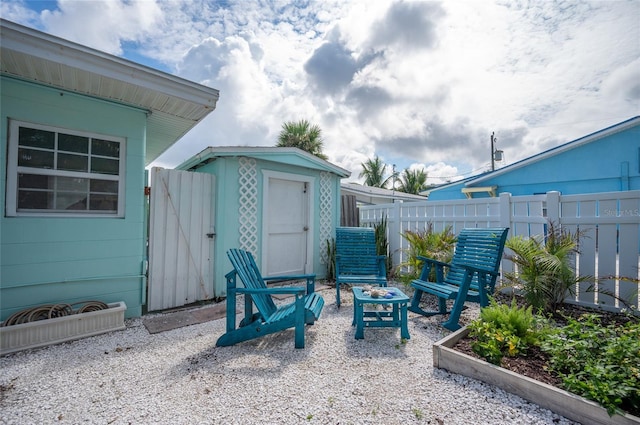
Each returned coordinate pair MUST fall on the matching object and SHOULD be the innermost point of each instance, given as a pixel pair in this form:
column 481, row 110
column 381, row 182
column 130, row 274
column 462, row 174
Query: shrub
column 598, row 362
column 544, row 273
column 426, row 243
column 503, row 330
column 382, row 243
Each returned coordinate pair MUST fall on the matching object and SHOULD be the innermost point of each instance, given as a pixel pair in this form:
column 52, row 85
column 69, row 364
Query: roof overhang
column 374, row 195
column 286, row 155
column 469, row 191
column 175, row 105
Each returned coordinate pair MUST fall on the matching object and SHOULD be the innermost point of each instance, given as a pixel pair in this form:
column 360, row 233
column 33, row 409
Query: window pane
column 36, row 138
column 34, row 181
column 34, row 200
column 71, row 201
column 105, row 148
column 104, row 186
column 71, row 184
column 71, row 143
column 104, row 203
column 105, row 166
column 35, row 158
column 69, row 162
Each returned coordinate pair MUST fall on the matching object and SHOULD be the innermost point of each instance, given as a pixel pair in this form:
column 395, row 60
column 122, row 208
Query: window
column 55, row 171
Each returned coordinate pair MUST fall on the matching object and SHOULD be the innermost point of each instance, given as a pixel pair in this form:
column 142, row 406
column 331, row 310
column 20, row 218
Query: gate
column 181, row 232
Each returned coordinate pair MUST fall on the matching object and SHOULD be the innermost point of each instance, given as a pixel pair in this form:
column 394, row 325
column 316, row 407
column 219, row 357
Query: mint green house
column 78, row 128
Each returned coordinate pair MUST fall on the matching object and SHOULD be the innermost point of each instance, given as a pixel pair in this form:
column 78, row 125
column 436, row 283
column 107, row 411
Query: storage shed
column 281, row 204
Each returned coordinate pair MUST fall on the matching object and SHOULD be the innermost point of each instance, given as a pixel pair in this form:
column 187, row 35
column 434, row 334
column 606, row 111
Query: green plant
column 417, row 413
column 503, row 330
column 544, row 269
column 382, row 244
column 426, row 243
column 598, row 362
column 331, row 259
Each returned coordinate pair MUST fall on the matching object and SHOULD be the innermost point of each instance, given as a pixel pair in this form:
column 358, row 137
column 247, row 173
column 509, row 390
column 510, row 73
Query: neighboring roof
column 287, row 155
column 624, row 125
column 176, row 105
column 377, row 195
column 447, row 185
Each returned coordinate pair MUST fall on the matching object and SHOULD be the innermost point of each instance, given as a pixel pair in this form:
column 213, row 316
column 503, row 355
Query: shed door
column 181, row 229
column 287, row 234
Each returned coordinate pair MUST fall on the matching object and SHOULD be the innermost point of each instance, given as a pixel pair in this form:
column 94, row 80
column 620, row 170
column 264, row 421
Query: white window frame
column 13, row 170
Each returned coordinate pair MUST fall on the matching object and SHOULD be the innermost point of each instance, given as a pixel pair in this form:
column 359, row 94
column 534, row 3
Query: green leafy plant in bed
column 427, row 243
column 504, row 330
column 598, row 362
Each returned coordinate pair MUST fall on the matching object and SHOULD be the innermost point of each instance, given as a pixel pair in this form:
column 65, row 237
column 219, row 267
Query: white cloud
column 412, row 82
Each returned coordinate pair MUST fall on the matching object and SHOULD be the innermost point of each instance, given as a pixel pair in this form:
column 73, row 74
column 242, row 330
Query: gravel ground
column 180, row 377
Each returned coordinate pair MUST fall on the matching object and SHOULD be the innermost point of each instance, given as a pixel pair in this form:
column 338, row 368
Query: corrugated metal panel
column 180, row 252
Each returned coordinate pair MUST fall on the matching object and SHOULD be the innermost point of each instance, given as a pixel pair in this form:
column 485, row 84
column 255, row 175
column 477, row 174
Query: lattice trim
column 248, row 204
column 326, row 207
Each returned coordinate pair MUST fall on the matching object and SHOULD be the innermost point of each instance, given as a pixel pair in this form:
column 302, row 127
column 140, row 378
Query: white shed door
column 181, row 231
column 287, row 226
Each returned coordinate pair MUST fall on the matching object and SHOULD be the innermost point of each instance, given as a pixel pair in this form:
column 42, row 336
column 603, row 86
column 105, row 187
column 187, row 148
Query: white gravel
column 180, row 377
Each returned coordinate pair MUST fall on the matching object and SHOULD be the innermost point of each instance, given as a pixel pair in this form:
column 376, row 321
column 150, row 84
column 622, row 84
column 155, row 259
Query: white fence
column 609, row 225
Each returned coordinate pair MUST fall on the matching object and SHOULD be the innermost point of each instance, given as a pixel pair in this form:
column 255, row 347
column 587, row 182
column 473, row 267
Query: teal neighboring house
column 281, row 204
column 78, row 128
column 605, row 161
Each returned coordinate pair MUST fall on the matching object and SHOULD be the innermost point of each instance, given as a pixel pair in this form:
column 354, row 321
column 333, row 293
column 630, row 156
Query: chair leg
column 338, row 294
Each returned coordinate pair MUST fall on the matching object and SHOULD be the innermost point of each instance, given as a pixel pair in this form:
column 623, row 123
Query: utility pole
column 493, row 162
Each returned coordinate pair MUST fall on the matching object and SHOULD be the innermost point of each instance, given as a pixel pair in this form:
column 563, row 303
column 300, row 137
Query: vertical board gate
column 181, row 232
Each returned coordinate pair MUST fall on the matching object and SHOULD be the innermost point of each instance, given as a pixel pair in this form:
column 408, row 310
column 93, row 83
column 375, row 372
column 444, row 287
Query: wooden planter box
column 60, row 329
column 559, row 401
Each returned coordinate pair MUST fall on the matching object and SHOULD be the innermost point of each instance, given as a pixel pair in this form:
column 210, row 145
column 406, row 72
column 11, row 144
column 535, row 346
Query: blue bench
column 357, row 260
column 269, row 318
column 470, row 276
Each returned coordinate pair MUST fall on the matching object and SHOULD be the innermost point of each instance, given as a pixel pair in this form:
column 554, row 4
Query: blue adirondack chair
column 357, row 261
column 470, row 276
column 269, row 318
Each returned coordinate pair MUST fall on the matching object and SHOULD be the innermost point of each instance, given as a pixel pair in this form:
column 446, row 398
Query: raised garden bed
column 60, row 329
column 559, row 401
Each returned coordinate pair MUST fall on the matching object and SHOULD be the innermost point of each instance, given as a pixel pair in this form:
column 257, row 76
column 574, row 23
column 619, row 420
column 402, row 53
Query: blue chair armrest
column 310, row 278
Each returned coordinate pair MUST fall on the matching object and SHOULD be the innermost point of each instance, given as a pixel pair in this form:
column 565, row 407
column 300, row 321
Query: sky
column 420, row 84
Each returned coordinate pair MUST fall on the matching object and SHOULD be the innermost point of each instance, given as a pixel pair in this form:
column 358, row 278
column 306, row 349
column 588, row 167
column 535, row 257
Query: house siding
column 46, row 260
column 609, row 164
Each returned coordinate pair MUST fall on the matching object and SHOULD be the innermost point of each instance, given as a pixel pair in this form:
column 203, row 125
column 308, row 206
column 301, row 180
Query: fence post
column 505, row 210
column 553, row 207
column 395, row 238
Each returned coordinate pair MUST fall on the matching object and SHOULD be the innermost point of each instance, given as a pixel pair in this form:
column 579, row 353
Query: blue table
column 396, row 317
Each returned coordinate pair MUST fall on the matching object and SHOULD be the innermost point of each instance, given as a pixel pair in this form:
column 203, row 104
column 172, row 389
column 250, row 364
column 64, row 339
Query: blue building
column 78, row 128
column 605, row 161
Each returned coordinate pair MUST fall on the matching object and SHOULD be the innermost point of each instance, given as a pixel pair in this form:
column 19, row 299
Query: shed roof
column 288, row 155
column 175, row 105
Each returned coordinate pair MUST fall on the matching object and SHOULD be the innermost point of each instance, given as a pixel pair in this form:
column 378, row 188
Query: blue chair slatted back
column 247, row 269
column 480, row 248
column 356, row 252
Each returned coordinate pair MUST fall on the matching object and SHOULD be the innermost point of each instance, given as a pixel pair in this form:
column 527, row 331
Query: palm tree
column 302, row 135
column 413, row 181
column 373, row 172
